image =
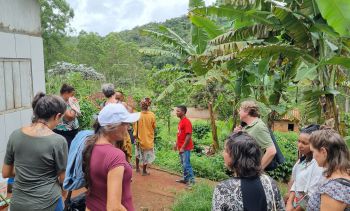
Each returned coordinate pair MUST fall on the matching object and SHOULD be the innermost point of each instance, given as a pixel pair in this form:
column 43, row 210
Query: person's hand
column 289, row 207
column 182, row 150
column 237, row 129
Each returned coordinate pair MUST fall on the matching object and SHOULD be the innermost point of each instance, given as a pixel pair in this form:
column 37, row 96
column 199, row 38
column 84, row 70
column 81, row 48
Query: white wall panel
column 10, row 104
column 2, row 88
column 7, row 45
column 26, row 83
column 37, row 55
column 22, row 46
column 16, row 76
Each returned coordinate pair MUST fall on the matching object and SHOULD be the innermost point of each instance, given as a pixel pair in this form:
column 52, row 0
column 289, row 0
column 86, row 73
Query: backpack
column 74, row 177
column 279, row 158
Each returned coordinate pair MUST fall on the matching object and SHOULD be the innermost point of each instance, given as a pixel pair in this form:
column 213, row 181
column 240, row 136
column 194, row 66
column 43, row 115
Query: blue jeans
column 186, row 166
column 59, row 206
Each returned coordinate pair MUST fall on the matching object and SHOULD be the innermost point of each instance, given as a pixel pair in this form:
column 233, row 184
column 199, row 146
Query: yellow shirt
column 144, row 129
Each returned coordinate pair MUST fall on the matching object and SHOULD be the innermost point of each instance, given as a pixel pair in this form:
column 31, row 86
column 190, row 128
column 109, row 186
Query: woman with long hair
column 37, row 158
column 306, row 174
column 248, row 189
column 107, row 172
column 331, row 152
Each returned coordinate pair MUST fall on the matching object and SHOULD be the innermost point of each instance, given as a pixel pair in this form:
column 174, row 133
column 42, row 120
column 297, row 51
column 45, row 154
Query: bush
column 200, row 130
column 288, row 146
column 88, row 110
column 207, row 167
column 199, row 198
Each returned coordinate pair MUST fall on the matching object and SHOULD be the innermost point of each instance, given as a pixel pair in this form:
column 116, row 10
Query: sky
column 104, row 16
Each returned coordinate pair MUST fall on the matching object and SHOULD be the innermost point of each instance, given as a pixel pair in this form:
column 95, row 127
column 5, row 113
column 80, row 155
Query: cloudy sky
column 105, row 16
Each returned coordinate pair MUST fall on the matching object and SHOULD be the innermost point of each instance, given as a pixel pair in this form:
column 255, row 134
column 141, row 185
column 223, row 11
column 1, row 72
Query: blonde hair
column 251, row 107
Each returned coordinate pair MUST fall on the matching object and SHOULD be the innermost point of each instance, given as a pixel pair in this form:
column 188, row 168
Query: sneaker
column 181, row 181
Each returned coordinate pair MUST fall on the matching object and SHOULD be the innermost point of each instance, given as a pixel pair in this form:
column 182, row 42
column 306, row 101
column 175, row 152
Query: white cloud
column 105, row 16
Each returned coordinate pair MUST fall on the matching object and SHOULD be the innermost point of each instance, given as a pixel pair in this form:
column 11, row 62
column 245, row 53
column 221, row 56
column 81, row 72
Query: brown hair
column 251, row 107
column 89, row 146
column 46, row 106
column 338, row 156
column 245, row 154
column 66, row 89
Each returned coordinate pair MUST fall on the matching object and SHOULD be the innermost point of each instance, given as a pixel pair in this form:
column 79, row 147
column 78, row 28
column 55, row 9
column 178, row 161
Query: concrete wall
column 20, row 42
column 21, row 16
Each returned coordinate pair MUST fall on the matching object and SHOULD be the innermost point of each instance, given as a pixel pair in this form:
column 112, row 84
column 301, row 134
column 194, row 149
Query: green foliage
column 55, row 17
column 337, row 14
column 288, row 145
column 200, row 130
column 199, row 198
column 88, row 112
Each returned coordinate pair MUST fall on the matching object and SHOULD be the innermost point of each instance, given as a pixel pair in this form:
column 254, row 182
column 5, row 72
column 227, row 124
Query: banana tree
column 294, row 31
column 194, row 63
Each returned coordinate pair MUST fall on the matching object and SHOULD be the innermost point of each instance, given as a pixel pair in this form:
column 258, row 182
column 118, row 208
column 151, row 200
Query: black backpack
column 279, row 158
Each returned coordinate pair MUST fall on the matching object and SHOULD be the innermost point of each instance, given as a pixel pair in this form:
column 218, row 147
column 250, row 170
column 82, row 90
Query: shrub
column 88, row 110
column 288, row 146
column 199, row 198
column 200, row 130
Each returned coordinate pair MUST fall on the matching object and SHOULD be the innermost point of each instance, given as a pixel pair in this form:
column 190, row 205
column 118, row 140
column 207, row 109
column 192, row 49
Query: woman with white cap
column 107, row 173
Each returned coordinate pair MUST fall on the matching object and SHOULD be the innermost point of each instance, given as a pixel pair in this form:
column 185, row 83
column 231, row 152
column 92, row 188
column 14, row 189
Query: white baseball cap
column 115, row 113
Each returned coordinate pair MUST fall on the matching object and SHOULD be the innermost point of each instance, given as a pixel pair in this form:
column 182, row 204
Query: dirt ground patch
column 156, row 191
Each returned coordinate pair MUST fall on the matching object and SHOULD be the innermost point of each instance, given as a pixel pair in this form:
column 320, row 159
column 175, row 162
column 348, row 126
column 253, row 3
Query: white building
column 21, row 65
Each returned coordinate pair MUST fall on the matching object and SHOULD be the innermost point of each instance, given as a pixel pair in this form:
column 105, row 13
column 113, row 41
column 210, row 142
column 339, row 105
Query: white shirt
column 307, row 176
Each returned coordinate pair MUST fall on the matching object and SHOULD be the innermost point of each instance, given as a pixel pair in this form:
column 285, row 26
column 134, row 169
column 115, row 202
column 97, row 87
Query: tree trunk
column 168, row 122
column 235, row 115
column 213, row 127
column 330, row 111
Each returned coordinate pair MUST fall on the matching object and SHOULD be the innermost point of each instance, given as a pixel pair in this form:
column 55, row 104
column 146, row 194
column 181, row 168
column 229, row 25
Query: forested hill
column 116, row 55
column 179, row 25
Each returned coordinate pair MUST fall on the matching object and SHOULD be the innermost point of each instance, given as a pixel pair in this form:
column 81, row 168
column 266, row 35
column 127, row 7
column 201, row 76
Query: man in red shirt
column 184, row 144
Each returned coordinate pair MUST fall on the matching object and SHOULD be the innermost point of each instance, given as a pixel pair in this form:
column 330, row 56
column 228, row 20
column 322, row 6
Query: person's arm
column 69, row 115
column 8, row 171
column 328, row 203
column 114, row 189
column 187, row 140
column 268, row 156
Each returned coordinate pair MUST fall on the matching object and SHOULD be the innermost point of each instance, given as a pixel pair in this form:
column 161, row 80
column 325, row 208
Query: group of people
column 320, row 178
column 36, row 156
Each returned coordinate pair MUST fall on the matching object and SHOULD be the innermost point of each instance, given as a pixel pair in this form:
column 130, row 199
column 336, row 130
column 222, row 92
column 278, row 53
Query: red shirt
column 184, row 128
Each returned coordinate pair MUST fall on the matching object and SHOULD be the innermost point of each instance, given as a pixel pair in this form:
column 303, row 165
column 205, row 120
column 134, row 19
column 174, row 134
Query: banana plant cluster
column 282, row 53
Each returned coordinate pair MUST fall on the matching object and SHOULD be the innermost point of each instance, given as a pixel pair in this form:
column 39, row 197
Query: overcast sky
column 105, row 16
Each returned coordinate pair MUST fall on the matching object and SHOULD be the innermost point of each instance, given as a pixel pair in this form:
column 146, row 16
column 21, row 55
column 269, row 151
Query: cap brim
column 133, row 117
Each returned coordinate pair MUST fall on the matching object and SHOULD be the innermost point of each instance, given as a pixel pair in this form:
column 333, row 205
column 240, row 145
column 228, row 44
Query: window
column 290, row 127
column 16, row 89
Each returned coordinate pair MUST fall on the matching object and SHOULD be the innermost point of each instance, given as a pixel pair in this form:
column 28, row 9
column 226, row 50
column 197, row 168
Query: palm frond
column 295, row 28
column 159, row 52
column 258, row 31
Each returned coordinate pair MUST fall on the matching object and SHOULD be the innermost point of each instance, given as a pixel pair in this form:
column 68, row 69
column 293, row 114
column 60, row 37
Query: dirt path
column 156, row 191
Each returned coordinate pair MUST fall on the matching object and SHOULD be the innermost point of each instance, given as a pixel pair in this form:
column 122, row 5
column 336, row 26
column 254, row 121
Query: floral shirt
column 228, row 195
column 65, row 125
column 335, row 190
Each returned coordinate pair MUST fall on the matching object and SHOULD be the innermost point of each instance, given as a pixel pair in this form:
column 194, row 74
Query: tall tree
column 55, row 17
